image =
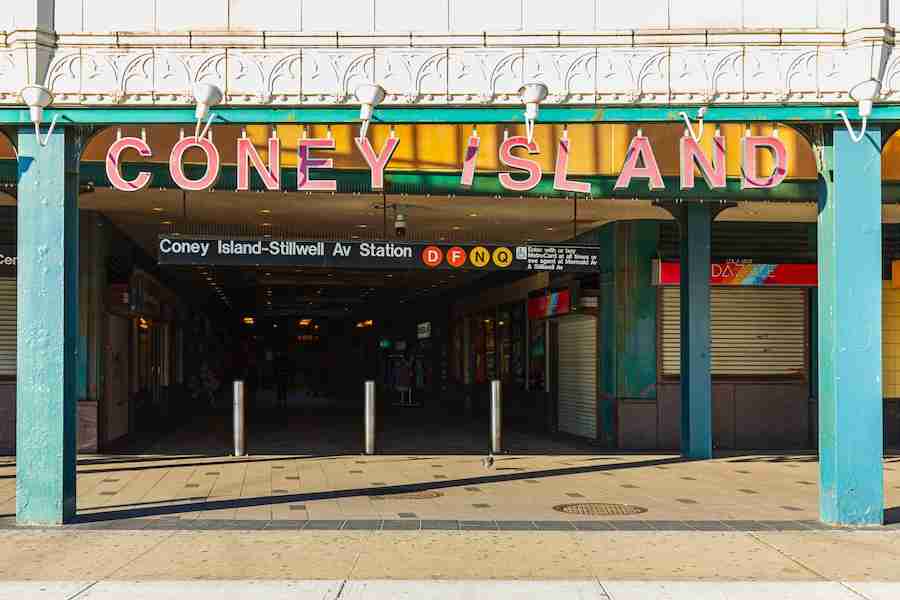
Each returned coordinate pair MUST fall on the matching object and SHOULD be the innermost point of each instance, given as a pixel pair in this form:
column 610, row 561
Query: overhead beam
column 445, row 183
column 93, row 174
column 463, row 115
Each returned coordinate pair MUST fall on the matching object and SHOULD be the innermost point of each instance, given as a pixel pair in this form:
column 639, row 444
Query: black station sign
column 381, row 255
column 8, row 259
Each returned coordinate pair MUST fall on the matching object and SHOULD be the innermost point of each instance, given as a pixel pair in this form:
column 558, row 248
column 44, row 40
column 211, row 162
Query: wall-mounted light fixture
column 207, row 95
column 688, row 129
column 532, row 95
column 369, row 95
column 37, row 98
column 864, row 93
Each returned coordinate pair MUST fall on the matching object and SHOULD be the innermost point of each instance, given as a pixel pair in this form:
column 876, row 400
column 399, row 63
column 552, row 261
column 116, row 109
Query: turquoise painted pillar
column 47, row 327
column 849, row 329
column 695, row 220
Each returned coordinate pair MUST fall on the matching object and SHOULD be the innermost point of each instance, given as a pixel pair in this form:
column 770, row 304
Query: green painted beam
column 462, row 115
column 445, row 183
column 485, row 184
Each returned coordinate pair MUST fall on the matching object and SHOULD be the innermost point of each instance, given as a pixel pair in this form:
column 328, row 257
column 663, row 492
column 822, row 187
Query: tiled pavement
column 447, row 492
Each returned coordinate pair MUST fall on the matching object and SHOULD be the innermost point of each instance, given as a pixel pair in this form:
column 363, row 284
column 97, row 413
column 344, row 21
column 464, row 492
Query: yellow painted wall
column 890, row 340
column 596, row 149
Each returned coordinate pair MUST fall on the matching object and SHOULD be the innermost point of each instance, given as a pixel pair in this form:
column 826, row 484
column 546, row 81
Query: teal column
column 695, row 220
column 47, row 327
column 849, row 329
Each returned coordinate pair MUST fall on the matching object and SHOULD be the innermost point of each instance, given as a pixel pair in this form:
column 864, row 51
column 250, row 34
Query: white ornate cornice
column 653, row 67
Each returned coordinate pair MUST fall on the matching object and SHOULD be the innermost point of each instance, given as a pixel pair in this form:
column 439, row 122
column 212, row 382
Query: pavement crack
column 605, row 595
column 349, row 576
column 82, row 590
column 821, row 576
column 141, row 555
column 340, row 591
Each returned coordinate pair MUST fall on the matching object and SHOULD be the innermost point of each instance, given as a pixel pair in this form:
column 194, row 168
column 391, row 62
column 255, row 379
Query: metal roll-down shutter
column 8, row 326
column 577, row 374
column 754, row 331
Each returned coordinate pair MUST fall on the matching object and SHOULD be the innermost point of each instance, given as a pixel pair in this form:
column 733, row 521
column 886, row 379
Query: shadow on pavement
column 368, row 491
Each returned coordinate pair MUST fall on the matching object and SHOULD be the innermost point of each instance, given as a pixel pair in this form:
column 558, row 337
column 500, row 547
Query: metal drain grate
column 600, row 509
column 426, row 495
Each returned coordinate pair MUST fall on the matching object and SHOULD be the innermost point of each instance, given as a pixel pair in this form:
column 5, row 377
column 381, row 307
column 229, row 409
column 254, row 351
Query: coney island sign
column 524, row 174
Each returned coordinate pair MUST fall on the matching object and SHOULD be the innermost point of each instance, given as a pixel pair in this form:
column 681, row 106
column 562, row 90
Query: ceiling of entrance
column 144, row 215
column 317, row 292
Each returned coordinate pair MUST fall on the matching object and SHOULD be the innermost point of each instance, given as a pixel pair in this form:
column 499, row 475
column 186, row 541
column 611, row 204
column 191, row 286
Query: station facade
column 669, row 234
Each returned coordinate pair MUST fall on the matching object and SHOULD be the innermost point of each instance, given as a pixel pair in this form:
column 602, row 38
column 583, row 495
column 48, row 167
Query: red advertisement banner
column 743, row 273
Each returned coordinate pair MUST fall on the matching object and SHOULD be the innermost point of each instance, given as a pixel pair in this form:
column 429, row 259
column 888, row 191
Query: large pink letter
column 468, row 172
column 246, row 154
column 640, row 151
column 114, row 166
column 305, row 162
column 713, row 171
column 749, row 177
column 213, row 164
column 377, row 163
column 561, row 174
column 507, row 158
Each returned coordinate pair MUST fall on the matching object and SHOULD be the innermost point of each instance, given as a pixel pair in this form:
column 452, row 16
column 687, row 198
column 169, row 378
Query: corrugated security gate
column 577, row 376
column 754, row 331
column 8, row 326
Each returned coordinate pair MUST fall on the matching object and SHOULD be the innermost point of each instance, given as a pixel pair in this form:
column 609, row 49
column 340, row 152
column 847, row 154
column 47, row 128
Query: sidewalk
column 634, row 492
column 297, row 527
column 443, row 590
column 67, row 564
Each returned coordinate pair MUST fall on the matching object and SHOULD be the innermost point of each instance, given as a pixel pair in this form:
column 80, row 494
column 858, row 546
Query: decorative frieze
column 615, row 68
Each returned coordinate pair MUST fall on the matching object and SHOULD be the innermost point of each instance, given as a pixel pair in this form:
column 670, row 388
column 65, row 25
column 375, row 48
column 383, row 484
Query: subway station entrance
column 311, row 263
column 303, row 296
column 304, row 341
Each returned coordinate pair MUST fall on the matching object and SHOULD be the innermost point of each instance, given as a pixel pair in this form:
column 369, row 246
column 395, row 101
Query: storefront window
column 510, row 333
column 504, row 343
column 537, row 349
column 490, row 346
column 457, row 354
column 478, row 349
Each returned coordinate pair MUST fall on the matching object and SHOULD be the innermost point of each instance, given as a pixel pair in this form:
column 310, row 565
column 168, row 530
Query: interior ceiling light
column 158, row 209
column 37, row 98
column 265, row 211
column 369, row 95
column 532, row 95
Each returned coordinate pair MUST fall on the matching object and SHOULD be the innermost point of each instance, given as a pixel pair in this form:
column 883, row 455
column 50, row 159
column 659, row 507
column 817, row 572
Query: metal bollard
column 240, row 448
column 370, row 417
column 496, row 417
